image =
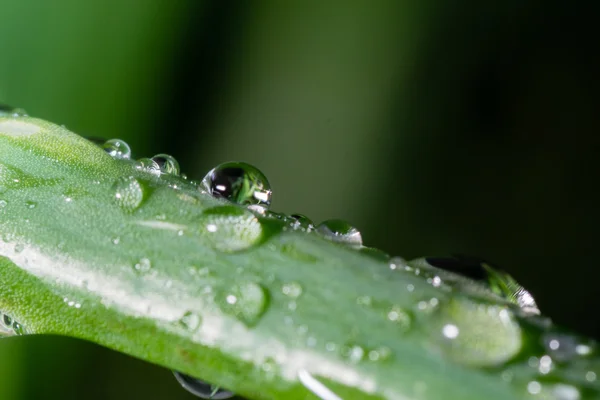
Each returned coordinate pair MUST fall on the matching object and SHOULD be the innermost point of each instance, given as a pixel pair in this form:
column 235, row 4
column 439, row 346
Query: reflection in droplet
column 239, row 183
column 230, row 228
column 340, row 231
column 246, row 301
column 128, row 193
column 117, row 148
column 167, row 164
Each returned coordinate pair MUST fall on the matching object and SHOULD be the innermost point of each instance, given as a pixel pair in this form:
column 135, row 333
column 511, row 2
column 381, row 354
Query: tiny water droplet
column 230, row 228
column 340, row 231
column 167, row 164
column 239, row 183
column 117, row 148
column 9, row 111
column 202, row 389
column 3, row 203
column 30, row 204
column 400, row 316
column 302, row 223
column 143, row 265
column 292, row 289
column 246, row 301
column 190, row 321
column 353, row 352
column 565, row 347
column 128, row 193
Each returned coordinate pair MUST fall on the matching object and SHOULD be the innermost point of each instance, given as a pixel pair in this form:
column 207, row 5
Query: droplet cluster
column 10, row 327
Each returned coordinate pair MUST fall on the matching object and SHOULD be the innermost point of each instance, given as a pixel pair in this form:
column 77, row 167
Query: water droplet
column 564, row 347
column 246, row 301
column 534, row 387
column 292, row 289
column 143, row 265
column 167, row 164
column 128, row 193
column 10, row 327
column 400, row 316
column 565, row 392
column 3, row 203
column 30, row 204
column 239, row 183
column 148, row 165
column 19, row 247
column 380, row 354
column 230, row 228
column 398, row 263
column 190, row 321
column 499, row 282
column 476, row 334
column 353, row 352
column 8, row 111
column 201, row 389
column 340, row 231
column 117, row 148
column 375, row 253
column 302, row 223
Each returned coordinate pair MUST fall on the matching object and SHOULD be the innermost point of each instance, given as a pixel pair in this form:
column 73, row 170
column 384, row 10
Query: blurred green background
column 434, row 127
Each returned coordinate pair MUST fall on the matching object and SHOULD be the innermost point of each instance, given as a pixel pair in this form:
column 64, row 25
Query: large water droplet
column 476, row 334
column 117, row 148
column 499, row 282
column 230, row 228
column 201, row 389
column 239, row 183
column 246, row 301
column 167, row 164
column 128, row 193
column 340, row 231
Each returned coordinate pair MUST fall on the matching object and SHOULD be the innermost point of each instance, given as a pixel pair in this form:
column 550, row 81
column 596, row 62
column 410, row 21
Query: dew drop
column 117, row 148
column 143, row 265
column 128, row 193
column 340, row 231
column 202, row 389
column 148, row 165
column 398, row 263
column 230, row 228
column 10, row 327
column 239, row 183
column 30, row 204
column 302, row 223
column 400, row 317
column 476, row 334
column 3, row 203
column 167, row 164
column 246, row 301
column 8, row 111
column 292, row 289
column 190, row 321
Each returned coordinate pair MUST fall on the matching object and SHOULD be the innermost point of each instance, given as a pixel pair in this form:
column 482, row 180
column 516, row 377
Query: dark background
column 434, row 127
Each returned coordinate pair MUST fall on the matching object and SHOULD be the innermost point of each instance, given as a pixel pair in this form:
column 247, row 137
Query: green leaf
column 149, row 265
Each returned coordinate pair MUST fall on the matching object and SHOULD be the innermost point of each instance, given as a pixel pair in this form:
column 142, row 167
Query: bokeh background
column 434, row 127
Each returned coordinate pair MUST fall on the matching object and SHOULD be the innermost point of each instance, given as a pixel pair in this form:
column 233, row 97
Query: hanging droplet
column 117, row 148
column 302, row 223
column 148, row 165
column 167, row 164
column 201, row 389
column 246, row 301
column 340, row 231
column 128, row 193
column 239, row 183
column 230, row 228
